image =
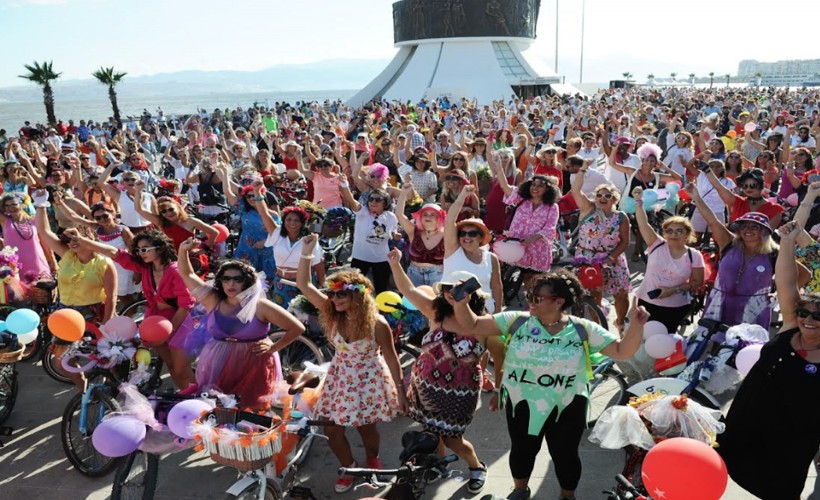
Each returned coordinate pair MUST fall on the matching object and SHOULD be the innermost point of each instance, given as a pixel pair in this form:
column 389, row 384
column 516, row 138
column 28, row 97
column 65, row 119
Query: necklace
column 753, row 199
column 802, row 352
column 560, row 320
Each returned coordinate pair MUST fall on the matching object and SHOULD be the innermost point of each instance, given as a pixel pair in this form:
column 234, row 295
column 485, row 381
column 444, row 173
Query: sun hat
column 453, row 278
column 456, row 173
column 624, row 140
column 756, row 217
column 431, row 207
column 477, row 223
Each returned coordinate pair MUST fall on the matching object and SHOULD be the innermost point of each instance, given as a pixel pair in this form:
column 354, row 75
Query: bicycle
column 411, row 478
column 11, row 351
column 625, row 490
column 607, row 387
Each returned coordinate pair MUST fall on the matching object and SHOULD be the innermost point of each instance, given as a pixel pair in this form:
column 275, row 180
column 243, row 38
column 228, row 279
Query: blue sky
column 154, row 36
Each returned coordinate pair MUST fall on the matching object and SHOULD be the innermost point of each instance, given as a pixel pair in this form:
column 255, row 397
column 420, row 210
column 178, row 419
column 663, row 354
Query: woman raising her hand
column 363, row 384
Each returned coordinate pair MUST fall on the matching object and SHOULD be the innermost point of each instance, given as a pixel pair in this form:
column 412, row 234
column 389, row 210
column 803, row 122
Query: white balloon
column 28, row 337
column 747, row 357
column 660, row 346
column 652, row 328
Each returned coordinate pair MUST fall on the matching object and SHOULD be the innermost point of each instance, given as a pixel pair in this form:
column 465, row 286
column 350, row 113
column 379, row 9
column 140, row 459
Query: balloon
column 660, row 346
column 2, row 326
column 672, row 202
column 508, row 251
column 591, row 277
column 684, row 195
column 118, row 436
column 750, row 127
column 650, row 196
column 652, row 328
column 793, row 199
column 663, row 464
column 408, row 305
column 387, row 301
column 120, row 328
column 25, row 320
column 155, row 329
column 222, row 234
column 143, row 356
column 673, row 187
column 427, row 290
column 183, row 414
column 28, row 337
column 747, row 357
column 731, row 134
column 627, row 205
column 66, row 324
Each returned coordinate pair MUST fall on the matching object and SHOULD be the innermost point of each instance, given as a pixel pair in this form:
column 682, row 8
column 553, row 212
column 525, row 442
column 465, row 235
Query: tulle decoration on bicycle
column 662, row 417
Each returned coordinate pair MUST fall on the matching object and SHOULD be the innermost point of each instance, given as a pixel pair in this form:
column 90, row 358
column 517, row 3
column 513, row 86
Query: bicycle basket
column 218, row 435
column 12, row 354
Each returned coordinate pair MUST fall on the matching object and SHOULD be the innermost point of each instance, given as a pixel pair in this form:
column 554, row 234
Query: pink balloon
column 660, row 346
column 652, row 328
column 120, row 327
column 155, row 329
column 183, row 415
column 747, row 357
column 118, row 436
column 793, row 199
column 508, row 251
column 750, row 127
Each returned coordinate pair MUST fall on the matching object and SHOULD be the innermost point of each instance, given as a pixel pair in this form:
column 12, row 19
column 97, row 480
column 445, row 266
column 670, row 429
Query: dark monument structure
column 461, row 48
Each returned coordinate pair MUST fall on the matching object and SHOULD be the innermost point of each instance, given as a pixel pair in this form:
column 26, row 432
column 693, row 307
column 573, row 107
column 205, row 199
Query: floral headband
column 338, row 286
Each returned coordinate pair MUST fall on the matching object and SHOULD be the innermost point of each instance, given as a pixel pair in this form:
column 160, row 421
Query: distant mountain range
column 335, row 74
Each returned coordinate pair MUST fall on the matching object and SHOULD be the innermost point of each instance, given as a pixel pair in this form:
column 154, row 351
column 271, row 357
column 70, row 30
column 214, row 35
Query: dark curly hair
column 248, row 272
column 552, row 194
column 444, row 310
column 754, row 174
column 563, row 284
column 165, row 247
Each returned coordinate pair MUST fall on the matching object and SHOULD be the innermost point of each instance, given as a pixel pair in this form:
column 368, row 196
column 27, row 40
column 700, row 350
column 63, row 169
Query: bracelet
column 306, row 257
column 44, row 204
column 344, row 185
column 638, row 203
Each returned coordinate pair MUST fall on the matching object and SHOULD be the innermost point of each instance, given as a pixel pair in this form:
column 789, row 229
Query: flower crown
column 338, row 286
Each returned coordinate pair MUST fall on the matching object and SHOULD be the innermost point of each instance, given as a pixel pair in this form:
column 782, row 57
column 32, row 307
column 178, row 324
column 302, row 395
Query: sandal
column 477, row 479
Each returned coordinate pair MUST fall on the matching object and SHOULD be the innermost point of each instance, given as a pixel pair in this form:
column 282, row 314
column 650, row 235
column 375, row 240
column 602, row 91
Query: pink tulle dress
column 228, row 363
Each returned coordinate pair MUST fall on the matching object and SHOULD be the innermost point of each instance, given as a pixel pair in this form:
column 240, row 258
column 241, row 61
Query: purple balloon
column 118, row 436
column 183, row 414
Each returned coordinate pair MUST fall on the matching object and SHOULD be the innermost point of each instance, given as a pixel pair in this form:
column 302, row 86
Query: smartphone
column 654, row 294
column 466, row 288
column 702, row 166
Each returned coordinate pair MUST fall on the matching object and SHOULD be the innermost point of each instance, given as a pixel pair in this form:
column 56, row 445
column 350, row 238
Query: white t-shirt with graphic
column 372, row 234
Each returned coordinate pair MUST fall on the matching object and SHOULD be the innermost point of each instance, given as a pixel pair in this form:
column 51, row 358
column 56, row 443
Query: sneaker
column 345, row 483
column 436, row 473
column 477, row 479
column 519, row 494
column 487, row 385
column 374, row 463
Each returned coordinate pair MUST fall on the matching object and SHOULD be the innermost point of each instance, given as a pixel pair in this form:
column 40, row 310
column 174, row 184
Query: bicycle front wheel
column 606, row 389
column 8, row 390
column 136, row 477
column 588, row 309
column 293, row 357
column 76, row 438
column 272, row 492
column 51, row 365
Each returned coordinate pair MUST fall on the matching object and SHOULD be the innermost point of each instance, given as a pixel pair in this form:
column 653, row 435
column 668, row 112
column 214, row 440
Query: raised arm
column 804, row 210
column 498, row 171
column 227, row 185
column 262, row 207
column 303, row 280
column 153, row 218
column 726, row 195
column 580, row 198
column 110, row 190
column 786, row 276
column 471, row 324
column 406, row 287
column 347, row 196
column 193, row 282
column 406, row 224
column 41, row 221
column 450, row 232
column 721, row 234
column 647, row 232
column 618, row 166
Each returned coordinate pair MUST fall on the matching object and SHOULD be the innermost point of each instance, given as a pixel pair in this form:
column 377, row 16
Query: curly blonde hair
column 359, row 320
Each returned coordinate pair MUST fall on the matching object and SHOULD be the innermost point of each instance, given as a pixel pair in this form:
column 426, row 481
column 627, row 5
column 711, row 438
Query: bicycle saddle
column 46, row 285
column 299, row 381
column 417, row 443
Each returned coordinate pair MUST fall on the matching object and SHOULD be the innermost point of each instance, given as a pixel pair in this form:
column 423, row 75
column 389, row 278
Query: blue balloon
column 409, row 305
column 672, row 188
column 672, row 202
column 628, row 205
column 22, row 321
column 650, row 197
column 2, row 326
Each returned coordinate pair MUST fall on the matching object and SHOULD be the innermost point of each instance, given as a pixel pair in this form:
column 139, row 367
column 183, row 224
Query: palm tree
column 627, row 75
column 692, row 78
column 650, row 78
column 107, row 76
column 43, row 74
column 759, row 77
column 711, row 79
column 728, row 77
column 673, row 75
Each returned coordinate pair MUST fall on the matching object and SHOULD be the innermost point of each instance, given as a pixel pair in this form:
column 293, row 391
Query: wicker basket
column 242, row 451
column 39, row 296
column 12, row 354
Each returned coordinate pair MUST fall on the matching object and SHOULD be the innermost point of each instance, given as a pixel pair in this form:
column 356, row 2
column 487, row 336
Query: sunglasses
column 323, row 165
column 453, row 178
column 375, row 199
column 458, row 158
column 537, row 299
column 805, row 313
column 341, row 294
column 607, row 196
column 475, row 233
column 749, row 226
column 239, row 279
column 102, row 217
column 549, row 152
column 167, row 210
column 65, row 239
column 145, row 249
column 672, row 230
column 129, row 180
column 750, row 186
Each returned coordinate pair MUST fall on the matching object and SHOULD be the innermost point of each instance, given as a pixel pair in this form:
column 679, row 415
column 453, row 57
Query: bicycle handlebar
column 407, row 468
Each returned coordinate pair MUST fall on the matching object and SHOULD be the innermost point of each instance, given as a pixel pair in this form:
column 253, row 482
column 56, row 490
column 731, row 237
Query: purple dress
column 742, row 292
column 23, row 235
column 228, row 363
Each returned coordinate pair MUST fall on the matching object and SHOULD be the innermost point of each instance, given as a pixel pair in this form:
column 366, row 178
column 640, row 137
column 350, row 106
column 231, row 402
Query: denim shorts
column 427, row 275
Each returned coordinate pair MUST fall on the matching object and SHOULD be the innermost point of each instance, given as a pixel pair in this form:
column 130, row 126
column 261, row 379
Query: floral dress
column 445, row 383
column 809, row 256
column 358, row 389
column 527, row 222
column 254, row 231
column 598, row 234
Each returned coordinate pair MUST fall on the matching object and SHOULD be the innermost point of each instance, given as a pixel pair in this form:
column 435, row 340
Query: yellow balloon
column 387, row 301
column 143, row 356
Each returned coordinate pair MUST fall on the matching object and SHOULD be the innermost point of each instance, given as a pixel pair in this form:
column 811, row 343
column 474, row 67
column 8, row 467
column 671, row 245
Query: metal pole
column 556, row 37
column 583, row 22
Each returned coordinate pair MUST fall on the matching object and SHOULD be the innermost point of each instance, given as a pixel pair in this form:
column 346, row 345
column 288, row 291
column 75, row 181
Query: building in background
column 462, row 48
column 794, row 73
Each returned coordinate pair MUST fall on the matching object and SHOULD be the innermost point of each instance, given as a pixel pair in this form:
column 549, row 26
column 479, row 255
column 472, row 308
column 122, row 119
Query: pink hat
column 430, row 207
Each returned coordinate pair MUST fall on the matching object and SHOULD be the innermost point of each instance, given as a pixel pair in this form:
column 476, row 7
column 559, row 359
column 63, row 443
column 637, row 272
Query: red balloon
column 223, row 232
column 663, row 468
column 683, row 195
column 155, row 329
column 591, row 277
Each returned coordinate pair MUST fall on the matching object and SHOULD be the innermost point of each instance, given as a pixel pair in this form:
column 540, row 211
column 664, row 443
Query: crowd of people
column 114, row 213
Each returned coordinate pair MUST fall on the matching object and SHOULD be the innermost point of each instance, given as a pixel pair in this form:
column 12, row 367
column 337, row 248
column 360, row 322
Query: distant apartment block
column 795, row 73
